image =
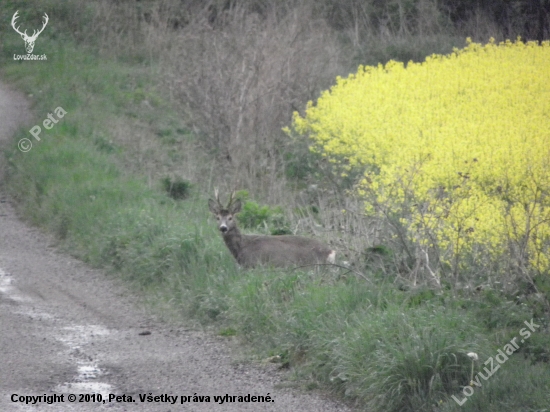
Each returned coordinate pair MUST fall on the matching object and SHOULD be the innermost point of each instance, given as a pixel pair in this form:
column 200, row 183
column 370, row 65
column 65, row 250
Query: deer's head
column 225, row 214
column 29, row 40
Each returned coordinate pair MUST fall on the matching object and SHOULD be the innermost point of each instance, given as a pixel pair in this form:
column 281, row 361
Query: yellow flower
column 458, row 145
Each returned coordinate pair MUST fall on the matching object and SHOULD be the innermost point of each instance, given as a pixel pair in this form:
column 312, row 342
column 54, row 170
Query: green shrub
column 178, row 188
column 254, row 216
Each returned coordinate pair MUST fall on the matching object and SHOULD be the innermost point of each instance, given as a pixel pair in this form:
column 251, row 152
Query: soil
column 67, row 329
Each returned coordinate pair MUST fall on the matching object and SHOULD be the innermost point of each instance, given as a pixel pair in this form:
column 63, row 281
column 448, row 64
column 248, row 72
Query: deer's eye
column 230, row 218
column 217, row 218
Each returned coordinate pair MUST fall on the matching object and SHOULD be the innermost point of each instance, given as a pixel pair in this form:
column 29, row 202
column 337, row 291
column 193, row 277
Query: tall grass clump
column 453, row 152
column 361, row 341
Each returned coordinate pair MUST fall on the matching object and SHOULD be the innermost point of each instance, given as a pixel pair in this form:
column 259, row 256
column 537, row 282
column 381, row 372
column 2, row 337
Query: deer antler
column 230, row 199
column 34, row 33
column 46, row 20
column 13, row 19
column 217, row 196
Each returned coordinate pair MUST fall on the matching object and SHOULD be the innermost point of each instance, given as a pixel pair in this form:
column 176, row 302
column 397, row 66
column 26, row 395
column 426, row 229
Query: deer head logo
column 29, row 40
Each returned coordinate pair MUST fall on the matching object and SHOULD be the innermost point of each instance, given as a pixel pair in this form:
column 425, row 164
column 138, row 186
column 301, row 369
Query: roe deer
column 252, row 250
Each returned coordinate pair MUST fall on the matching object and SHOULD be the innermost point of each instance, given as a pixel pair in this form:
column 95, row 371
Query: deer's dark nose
column 223, row 228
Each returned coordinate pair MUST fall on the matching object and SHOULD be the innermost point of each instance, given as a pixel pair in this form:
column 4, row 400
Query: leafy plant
column 177, row 188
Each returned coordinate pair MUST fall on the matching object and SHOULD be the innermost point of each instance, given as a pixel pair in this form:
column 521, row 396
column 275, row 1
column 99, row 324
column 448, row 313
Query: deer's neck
column 233, row 241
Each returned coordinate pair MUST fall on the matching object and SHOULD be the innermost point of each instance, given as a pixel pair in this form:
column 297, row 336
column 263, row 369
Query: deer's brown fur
column 253, row 250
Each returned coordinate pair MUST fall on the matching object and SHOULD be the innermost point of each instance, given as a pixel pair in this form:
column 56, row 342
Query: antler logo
column 29, row 40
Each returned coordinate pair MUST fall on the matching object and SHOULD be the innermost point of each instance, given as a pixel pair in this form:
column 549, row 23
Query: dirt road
column 66, row 329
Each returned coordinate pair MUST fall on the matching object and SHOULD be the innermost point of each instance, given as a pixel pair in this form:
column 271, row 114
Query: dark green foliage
column 255, row 216
column 420, row 296
column 178, row 188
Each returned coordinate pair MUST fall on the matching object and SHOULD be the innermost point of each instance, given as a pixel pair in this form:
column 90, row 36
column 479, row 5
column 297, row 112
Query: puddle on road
column 10, row 291
column 79, row 335
column 75, row 337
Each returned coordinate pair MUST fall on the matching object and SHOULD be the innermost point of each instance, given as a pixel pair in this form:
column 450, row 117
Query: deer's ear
column 236, row 207
column 214, row 208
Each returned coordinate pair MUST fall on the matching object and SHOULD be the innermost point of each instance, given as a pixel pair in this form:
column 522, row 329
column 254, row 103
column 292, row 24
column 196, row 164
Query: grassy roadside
column 385, row 348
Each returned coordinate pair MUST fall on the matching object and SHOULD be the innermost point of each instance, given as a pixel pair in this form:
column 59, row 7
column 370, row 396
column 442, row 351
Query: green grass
column 385, row 349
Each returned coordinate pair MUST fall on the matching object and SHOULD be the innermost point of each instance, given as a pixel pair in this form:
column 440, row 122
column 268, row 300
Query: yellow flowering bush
column 458, row 147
